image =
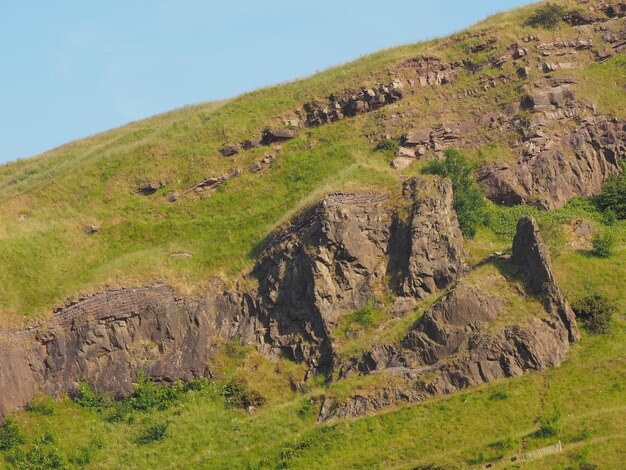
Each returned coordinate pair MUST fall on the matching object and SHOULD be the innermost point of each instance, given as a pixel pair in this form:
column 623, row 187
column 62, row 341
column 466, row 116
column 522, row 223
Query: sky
column 73, row 68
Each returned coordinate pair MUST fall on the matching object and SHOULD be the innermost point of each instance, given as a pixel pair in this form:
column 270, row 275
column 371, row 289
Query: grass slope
column 45, row 258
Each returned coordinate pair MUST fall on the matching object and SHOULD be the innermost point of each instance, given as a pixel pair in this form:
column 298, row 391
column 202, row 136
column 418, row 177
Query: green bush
column 11, row 435
column 469, row 203
column 43, row 455
column 153, row 433
column 548, row 16
column 613, row 197
column 239, row 395
column 595, row 312
column 388, row 145
column 603, row 245
column 147, row 395
column 85, row 397
column 366, row 316
column 41, row 404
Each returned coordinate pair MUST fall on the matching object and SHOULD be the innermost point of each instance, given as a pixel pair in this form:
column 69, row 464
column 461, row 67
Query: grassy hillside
column 46, row 258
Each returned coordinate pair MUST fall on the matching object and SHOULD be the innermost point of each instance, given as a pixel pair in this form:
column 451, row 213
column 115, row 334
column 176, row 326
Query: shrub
column 613, row 197
column 365, row 316
column 43, row 455
column 469, row 202
column 239, row 395
column 595, row 311
column 153, row 433
column 11, row 434
column 388, row 145
column 41, row 404
column 147, row 395
column 548, row 16
column 603, row 245
column 499, row 395
column 85, row 397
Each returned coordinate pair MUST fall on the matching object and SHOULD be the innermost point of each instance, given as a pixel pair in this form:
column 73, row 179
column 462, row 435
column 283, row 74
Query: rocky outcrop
column 577, row 166
column 334, row 258
column 329, row 261
column 213, row 183
column 458, row 344
column 435, row 254
column 271, row 136
column 107, row 338
column 350, row 103
column 531, row 254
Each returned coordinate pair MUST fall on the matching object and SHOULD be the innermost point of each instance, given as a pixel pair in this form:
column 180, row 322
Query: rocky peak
column 531, row 254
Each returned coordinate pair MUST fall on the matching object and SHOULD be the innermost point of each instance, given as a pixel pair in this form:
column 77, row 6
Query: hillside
column 306, row 290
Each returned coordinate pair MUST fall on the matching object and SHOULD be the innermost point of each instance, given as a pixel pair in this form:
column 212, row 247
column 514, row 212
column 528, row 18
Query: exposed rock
column 173, row 197
column 483, row 46
column 577, row 166
column 435, row 252
column 350, row 103
column 91, row 229
column 456, row 345
column 280, row 135
column 401, row 163
column 107, row 338
column 330, row 259
column 531, row 254
column 213, row 183
column 250, row 144
column 265, row 161
column 430, row 71
column 150, row 187
column 406, row 152
column 230, row 150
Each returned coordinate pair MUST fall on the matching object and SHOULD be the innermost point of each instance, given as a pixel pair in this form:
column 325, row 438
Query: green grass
column 204, row 432
column 45, row 258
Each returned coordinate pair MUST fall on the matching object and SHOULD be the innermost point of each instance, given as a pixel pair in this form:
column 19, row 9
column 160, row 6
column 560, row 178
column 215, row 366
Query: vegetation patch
column 469, row 201
column 596, row 312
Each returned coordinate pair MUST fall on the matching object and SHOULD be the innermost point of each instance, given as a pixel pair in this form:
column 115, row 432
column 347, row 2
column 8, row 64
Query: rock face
column 334, row 258
column 107, row 338
column 328, row 262
column 435, row 255
column 457, row 343
column 577, row 166
column 350, row 103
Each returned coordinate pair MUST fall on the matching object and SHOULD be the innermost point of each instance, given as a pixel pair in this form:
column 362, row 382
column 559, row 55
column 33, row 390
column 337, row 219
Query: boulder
column 401, row 163
column 273, row 136
column 230, row 150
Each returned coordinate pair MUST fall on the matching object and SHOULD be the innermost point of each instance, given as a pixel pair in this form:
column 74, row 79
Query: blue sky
column 69, row 69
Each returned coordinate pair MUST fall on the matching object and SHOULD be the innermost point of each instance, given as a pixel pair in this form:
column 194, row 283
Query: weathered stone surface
column 456, row 346
column 91, row 229
column 107, row 338
column 265, row 161
column 576, row 166
column 271, row 136
column 328, row 262
column 430, row 71
column 350, row 103
column 213, row 183
column 401, row 163
column 435, row 250
column 531, row 254
column 230, row 150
